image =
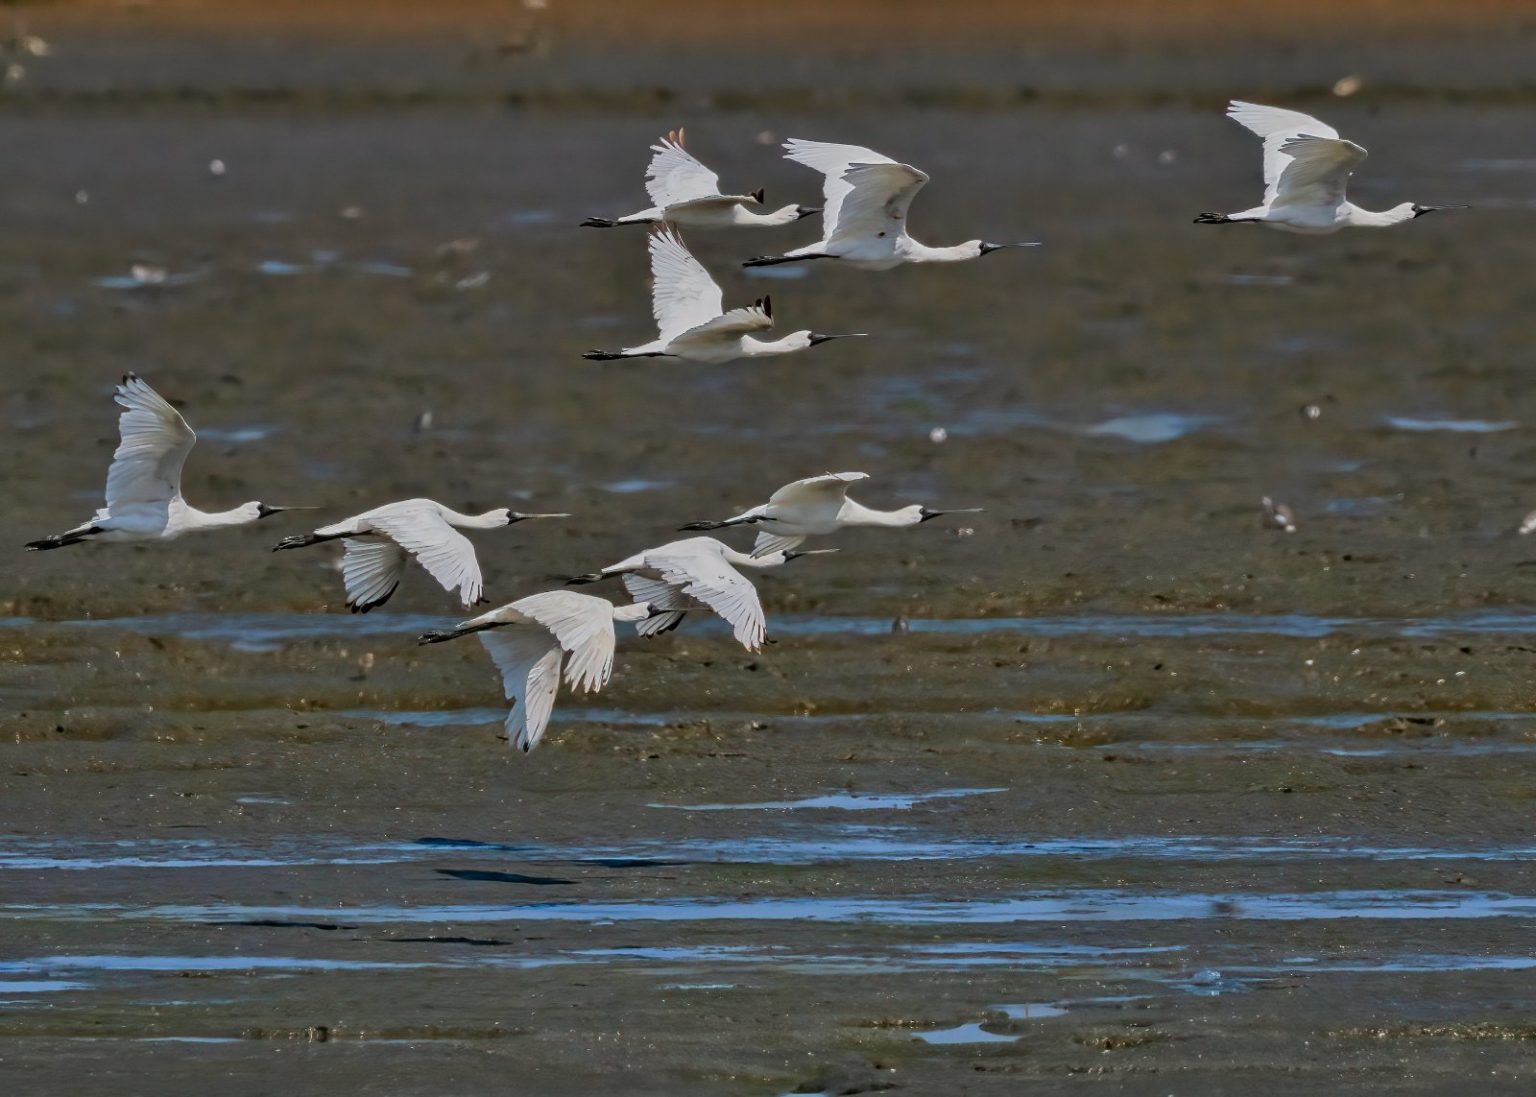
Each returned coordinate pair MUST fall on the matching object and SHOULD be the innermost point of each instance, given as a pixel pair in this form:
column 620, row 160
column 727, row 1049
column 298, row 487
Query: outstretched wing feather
column 371, row 569
column 832, row 160
column 153, row 447
column 583, row 626
column 683, row 295
column 675, row 175
column 529, row 661
column 447, row 554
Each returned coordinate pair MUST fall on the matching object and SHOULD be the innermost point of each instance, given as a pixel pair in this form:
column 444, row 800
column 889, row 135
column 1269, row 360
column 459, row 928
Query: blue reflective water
column 843, row 801
column 1458, row 426
column 1151, row 428
column 276, row 628
column 1073, row 905
column 802, row 844
column 965, row 1034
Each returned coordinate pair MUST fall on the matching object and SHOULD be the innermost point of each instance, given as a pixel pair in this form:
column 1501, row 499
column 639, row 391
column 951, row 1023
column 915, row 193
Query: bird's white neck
column 854, row 513
column 784, row 216
column 491, row 519
column 913, row 252
column 1371, row 219
column 236, row 516
column 746, row 560
column 766, row 348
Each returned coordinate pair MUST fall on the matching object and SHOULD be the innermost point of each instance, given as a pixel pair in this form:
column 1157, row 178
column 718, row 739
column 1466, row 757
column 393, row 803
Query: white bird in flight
column 687, row 304
column 864, row 212
column 687, row 193
column 144, row 500
column 694, row 572
column 1307, row 166
column 816, row 506
column 525, row 640
column 379, row 542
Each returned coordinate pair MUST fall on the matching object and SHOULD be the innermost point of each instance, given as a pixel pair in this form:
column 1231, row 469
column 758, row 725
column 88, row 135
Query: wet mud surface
column 1109, row 785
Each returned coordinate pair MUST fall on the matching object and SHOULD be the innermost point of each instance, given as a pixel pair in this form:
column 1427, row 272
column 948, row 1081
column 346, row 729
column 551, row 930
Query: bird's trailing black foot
column 59, row 540
column 437, row 636
column 1213, row 219
column 598, row 223
column 604, row 355
column 705, row 525
column 299, row 540
column 589, row 577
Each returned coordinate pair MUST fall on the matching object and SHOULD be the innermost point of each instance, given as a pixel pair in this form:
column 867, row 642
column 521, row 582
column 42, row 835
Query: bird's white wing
column 155, row 441
column 446, row 553
column 769, row 543
column 738, row 322
column 371, row 568
column 817, row 490
column 889, row 186
column 707, row 578
column 1318, row 172
column 683, row 295
column 675, row 176
column 833, row 161
column 661, row 595
column 583, row 625
column 876, row 205
column 1276, row 126
column 529, row 662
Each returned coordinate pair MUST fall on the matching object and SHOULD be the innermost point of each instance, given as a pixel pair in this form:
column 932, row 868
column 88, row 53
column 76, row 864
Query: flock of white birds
column 866, row 196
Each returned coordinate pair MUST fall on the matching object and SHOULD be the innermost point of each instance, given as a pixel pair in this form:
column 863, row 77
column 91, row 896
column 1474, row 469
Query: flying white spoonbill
column 687, row 304
column 695, row 572
column 525, row 640
column 144, row 500
column 687, row 193
column 864, row 212
column 1306, row 168
column 816, row 506
column 378, row 543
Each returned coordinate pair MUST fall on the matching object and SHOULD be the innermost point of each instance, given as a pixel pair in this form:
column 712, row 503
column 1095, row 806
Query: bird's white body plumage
column 865, row 199
column 1307, row 166
column 380, row 542
column 690, row 318
column 685, row 193
column 814, row 507
column 143, row 496
column 697, row 572
column 526, row 639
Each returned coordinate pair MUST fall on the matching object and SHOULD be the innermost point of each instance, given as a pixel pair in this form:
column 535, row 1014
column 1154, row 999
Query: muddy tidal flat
column 1109, row 786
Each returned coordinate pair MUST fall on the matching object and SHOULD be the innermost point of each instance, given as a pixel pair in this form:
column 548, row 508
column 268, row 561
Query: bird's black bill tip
column 1420, row 211
column 802, row 212
column 928, row 512
column 795, row 554
column 988, row 249
column 264, row 510
column 817, row 338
